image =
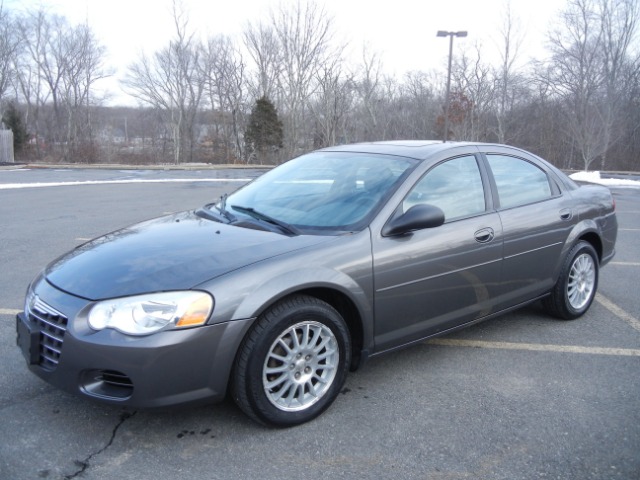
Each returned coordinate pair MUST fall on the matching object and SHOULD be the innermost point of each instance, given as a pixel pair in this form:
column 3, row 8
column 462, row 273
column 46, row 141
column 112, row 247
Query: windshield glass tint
column 324, row 190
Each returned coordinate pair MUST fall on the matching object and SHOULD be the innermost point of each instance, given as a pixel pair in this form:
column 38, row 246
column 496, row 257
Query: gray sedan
column 274, row 293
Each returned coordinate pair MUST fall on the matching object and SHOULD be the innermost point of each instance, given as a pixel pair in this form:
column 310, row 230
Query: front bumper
column 167, row 368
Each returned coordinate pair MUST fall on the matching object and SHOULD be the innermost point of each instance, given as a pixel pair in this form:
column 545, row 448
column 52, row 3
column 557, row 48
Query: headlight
column 145, row 314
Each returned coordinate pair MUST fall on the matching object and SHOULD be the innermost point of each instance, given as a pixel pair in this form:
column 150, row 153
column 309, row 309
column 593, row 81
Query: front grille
column 52, row 325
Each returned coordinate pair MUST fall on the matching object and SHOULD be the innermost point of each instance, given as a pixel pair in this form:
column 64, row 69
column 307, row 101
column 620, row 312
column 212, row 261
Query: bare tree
column 539, row 121
column 28, row 84
column 368, row 85
column 83, row 66
column 619, row 24
column 262, row 44
column 303, row 33
column 55, row 70
column 40, row 71
column 224, row 76
column 472, row 79
column 419, row 104
column 579, row 107
column 171, row 82
column 9, row 45
column 507, row 80
column 332, row 101
column 577, row 78
column 589, row 53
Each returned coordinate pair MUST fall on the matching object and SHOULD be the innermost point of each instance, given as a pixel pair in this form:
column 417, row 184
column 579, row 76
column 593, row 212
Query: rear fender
column 581, row 229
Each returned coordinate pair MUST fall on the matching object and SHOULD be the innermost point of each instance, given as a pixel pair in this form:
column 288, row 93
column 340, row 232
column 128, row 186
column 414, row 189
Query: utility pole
column 444, row 33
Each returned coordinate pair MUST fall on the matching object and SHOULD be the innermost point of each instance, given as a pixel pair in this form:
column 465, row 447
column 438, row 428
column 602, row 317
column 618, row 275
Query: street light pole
column 444, row 33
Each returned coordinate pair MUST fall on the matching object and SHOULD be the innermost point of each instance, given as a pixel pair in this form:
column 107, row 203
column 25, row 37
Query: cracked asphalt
column 518, row 397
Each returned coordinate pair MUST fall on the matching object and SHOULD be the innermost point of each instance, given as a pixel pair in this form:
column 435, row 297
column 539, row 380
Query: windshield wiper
column 290, row 229
column 223, row 209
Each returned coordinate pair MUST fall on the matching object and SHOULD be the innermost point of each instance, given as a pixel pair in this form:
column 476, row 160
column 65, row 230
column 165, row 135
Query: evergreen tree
column 264, row 131
column 12, row 120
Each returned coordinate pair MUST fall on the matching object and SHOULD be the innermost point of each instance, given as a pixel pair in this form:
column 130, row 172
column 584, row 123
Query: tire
column 576, row 287
column 293, row 362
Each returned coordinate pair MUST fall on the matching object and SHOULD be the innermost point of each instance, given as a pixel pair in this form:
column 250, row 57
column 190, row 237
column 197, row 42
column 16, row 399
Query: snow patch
column 594, row 177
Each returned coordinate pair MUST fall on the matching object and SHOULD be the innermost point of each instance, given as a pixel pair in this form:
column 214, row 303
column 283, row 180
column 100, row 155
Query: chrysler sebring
column 274, row 293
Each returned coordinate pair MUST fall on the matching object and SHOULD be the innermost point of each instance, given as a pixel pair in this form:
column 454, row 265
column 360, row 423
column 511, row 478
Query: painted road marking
column 626, row 264
column 9, row 311
column 617, row 311
column 13, row 186
column 629, row 229
column 534, row 347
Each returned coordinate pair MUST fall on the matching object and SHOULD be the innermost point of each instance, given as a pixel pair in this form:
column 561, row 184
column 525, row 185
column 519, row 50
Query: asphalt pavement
column 519, row 397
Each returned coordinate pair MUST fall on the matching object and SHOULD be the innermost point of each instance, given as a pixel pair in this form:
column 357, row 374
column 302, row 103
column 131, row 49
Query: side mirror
column 417, row 217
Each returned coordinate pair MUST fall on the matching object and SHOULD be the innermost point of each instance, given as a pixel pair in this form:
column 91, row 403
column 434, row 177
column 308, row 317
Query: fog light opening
column 109, row 384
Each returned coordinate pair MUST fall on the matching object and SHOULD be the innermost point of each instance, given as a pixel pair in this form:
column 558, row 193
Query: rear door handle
column 484, row 235
column 566, row 214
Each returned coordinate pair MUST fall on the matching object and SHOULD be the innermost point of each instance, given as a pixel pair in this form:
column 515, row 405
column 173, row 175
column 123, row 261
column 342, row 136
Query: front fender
column 280, row 286
column 342, row 266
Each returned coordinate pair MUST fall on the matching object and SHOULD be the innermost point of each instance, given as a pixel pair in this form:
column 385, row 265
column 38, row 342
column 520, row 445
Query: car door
column 536, row 220
column 434, row 279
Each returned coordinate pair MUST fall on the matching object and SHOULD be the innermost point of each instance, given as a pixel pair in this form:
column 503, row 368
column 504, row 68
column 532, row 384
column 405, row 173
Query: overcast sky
column 403, row 31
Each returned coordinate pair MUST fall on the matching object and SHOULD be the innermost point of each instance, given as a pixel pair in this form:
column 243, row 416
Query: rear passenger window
column 519, row 182
column 455, row 186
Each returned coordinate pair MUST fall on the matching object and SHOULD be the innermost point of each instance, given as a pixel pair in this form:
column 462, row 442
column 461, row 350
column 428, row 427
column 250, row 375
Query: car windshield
column 321, row 192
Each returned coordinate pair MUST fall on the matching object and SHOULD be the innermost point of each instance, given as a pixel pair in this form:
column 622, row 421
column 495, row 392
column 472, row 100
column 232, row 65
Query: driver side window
column 454, row 186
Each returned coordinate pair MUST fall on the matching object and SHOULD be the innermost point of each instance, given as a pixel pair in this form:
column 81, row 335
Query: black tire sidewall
column 277, row 321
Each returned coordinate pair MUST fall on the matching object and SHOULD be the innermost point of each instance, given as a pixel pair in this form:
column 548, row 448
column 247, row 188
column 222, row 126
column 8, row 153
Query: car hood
column 169, row 253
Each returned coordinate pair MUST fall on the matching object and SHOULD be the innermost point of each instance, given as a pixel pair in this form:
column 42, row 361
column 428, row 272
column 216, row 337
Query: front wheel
column 576, row 287
column 293, row 363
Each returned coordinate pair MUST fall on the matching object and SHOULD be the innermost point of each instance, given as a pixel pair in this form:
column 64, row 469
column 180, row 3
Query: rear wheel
column 293, row 362
column 576, row 287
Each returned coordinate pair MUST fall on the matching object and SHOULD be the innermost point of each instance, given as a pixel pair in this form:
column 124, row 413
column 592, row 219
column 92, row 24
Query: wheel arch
column 588, row 231
column 594, row 239
column 348, row 311
column 353, row 312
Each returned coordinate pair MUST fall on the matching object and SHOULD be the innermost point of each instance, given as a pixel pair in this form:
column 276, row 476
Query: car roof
column 423, row 149
column 418, row 149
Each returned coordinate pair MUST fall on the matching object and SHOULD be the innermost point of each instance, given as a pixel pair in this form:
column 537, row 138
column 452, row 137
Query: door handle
column 566, row 214
column 484, row 235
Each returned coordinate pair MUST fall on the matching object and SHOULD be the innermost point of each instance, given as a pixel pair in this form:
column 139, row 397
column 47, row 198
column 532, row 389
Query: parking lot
column 519, row 397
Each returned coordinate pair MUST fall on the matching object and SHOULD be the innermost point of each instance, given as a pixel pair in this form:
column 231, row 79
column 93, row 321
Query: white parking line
column 13, row 186
column 617, row 311
column 629, row 229
column 626, row 264
column 534, row 347
column 8, row 311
